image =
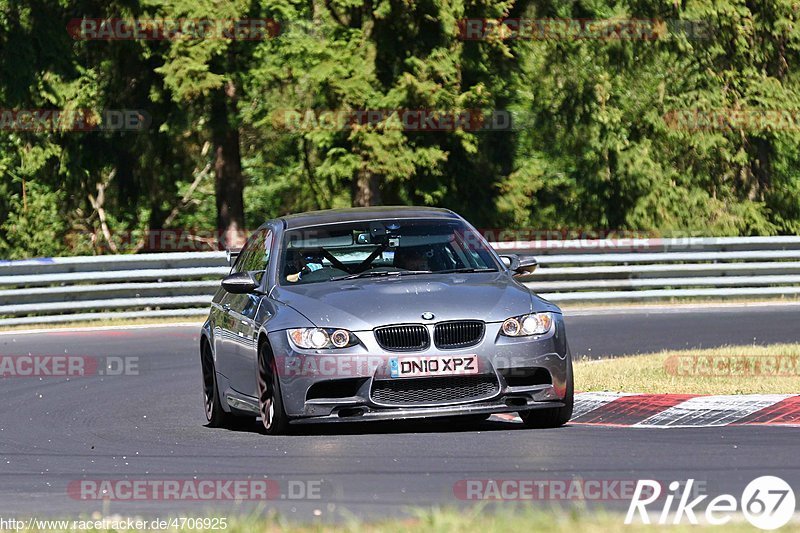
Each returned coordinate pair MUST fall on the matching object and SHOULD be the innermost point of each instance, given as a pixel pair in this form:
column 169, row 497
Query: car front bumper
column 300, row 371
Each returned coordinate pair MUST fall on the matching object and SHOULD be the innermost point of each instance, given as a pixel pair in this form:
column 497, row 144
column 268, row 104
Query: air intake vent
column 409, row 337
column 459, row 334
column 432, row 391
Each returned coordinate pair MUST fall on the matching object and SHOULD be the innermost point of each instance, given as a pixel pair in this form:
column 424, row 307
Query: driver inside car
column 412, row 258
column 304, row 264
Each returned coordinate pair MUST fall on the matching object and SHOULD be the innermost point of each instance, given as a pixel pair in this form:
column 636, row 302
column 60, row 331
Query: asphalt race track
column 633, row 331
column 56, row 431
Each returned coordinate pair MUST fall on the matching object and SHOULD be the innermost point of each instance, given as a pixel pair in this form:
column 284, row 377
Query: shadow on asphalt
column 387, row 427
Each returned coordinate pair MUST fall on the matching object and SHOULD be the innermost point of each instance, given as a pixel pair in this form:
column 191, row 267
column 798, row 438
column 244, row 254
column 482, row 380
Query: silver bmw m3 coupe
column 380, row 314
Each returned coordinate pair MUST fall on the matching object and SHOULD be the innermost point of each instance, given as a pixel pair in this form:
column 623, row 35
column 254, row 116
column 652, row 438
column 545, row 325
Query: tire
column 557, row 416
column 270, row 400
column 216, row 416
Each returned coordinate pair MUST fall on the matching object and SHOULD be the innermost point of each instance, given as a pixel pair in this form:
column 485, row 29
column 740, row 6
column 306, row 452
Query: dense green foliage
column 596, row 145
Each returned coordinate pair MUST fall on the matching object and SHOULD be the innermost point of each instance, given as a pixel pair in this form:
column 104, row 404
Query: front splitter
column 375, row 414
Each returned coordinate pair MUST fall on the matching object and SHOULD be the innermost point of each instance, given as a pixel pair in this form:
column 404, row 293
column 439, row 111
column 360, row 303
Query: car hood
column 363, row 304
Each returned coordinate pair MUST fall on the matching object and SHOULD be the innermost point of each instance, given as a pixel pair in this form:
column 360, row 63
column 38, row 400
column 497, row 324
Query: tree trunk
column 229, row 182
column 367, row 189
column 760, row 169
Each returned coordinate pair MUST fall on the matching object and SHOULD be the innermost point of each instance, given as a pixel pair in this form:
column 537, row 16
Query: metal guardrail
column 66, row 289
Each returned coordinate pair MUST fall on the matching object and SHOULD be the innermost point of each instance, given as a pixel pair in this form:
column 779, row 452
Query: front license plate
column 407, row 367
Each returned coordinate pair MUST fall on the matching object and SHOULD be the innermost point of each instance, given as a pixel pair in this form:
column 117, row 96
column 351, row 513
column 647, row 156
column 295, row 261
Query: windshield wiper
column 381, row 273
column 466, row 270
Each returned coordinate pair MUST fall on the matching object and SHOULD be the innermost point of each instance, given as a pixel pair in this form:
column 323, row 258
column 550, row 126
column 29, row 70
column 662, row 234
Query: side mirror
column 519, row 266
column 511, row 261
column 240, row 283
column 526, row 266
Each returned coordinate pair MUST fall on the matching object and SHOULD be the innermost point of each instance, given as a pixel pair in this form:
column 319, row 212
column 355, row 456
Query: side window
column 256, row 254
column 243, row 254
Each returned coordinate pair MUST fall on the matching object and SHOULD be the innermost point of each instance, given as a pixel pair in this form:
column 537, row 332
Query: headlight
column 533, row 324
column 340, row 338
column 319, row 338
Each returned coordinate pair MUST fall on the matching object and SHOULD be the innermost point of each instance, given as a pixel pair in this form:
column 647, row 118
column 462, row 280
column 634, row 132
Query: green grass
column 688, row 372
column 477, row 519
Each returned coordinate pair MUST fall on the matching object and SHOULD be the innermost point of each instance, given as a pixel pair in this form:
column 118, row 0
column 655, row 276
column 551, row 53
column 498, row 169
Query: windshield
column 382, row 248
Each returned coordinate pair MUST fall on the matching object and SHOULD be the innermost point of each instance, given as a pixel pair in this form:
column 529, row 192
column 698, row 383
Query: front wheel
column 216, row 416
column 270, row 401
column 556, row 416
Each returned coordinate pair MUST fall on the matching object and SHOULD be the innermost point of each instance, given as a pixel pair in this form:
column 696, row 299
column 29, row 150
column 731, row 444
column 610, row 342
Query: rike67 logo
column 768, row 502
